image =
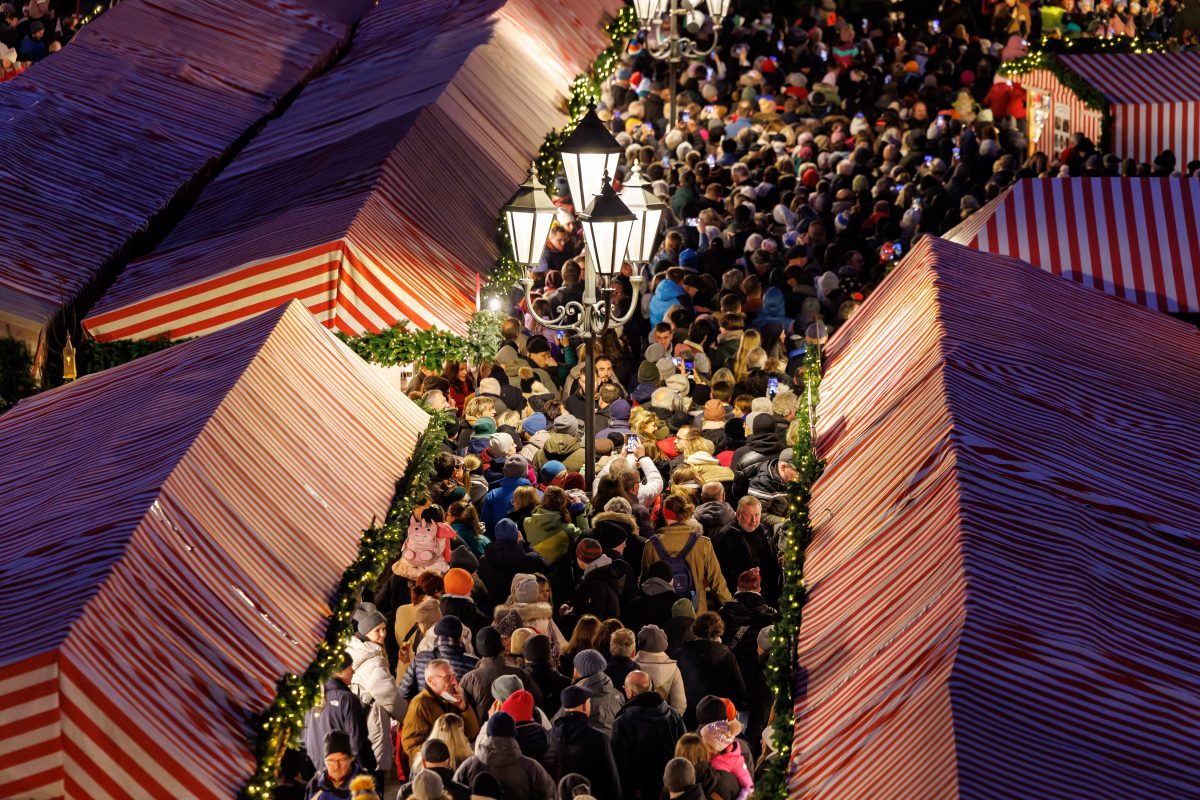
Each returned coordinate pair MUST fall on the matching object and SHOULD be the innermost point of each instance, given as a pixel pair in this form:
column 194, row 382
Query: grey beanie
column 369, row 619
column 678, row 775
column 589, row 662
column 504, row 686
column 525, row 589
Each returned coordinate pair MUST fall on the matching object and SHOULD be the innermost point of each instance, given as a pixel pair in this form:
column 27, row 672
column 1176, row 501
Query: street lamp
column 648, row 209
column 608, row 227
column 654, row 14
column 587, row 154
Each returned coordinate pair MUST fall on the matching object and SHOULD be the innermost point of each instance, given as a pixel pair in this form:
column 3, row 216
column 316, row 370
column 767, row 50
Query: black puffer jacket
column 709, row 668
column 644, row 736
column 599, row 591
column 581, row 748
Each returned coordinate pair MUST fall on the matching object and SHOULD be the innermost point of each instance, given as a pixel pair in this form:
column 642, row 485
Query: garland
column 296, row 694
column 798, row 533
column 430, row 348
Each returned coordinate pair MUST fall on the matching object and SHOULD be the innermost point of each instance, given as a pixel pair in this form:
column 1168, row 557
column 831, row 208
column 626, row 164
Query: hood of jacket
column 597, row 684
column 560, row 445
column 647, row 705
column 530, row 612
column 628, row 520
column 599, row 568
column 653, row 587
column 715, row 513
column 361, row 650
column 544, row 522
column 501, row 751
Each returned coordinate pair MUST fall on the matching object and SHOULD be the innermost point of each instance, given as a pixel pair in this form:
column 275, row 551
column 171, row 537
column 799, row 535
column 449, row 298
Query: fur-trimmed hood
column 529, row 611
column 628, row 520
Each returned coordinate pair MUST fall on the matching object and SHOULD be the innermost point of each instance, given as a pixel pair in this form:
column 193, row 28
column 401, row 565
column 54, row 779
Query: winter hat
column 764, row 637
column 718, row 736
column 609, row 533
column 516, row 642
column 710, row 709
column 525, row 589
column 484, row 427
column 427, row 612
column 369, row 620
column 680, row 385
column 449, row 627
column 619, row 409
column 573, row 785
column 647, row 373
column 458, row 582
column 519, row 706
column 504, row 686
column 427, row 785
column 683, row 608
column 574, row 696
column 566, row 423
column 550, row 470
column 516, row 467
column 434, row 751
column 506, row 530
column 499, row 444
column 464, row 559
column 534, row 423
column 690, row 259
column 761, row 404
column 714, row 415
column 485, row 785
column 588, row 550
column 489, row 386
column 537, row 649
column 501, row 724
column 665, row 367
column 589, row 662
column 678, row 775
column 750, row 580
column 660, row 570
column 337, row 742
column 508, row 624
column 652, row 639
column 487, row 642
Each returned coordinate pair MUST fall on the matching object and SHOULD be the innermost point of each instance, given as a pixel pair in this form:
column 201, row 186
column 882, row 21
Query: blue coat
column 666, row 295
column 342, row 711
column 498, row 502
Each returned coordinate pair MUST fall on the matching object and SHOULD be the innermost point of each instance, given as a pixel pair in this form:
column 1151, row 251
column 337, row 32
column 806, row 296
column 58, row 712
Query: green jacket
column 549, row 535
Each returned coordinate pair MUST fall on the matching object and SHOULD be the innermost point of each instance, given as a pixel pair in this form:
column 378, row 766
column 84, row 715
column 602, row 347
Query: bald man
column 644, row 736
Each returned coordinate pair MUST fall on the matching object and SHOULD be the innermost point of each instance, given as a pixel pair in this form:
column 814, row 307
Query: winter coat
column 564, row 447
column 377, row 691
column 773, row 310
column 534, row 741
column 668, row 294
column 320, row 787
column 551, row 682
column 606, row 701
column 478, row 683
column 644, row 736
column 599, row 591
column 706, row 571
column 739, row 550
column 619, row 668
column 467, row 612
column 709, row 469
column 713, row 516
column 503, row 560
column 341, row 711
column 578, row 747
column 423, row 711
column 520, row 776
column 652, row 606
column 467, row 535
column 498, row 502
column 540, row 617
column 548, row 535
column 414, row 677
column 668, row 681
column 759, row 448
column 709, row 668
column 769, row 488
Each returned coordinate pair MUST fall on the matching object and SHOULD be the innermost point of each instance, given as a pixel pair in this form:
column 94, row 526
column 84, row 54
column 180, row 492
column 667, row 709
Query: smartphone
column 666, row 162
column 631, row 442
column 712, row 161
column 865, row 24
column 685, row 116
column 824, row 55
column 887, row 79
column 693, row 222
column 928, row 159
column 689, row 365
column 710, row 74
column 955, row 152
column 898, row 188
column 936, row 26
column 941, row 122
column 710, row 110
column 780, row 44
column 560, row 335
column 897, row 250
column 772, row 387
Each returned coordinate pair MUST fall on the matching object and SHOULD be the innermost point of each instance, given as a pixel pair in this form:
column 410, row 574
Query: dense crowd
column 542, row 638
column 34, row 30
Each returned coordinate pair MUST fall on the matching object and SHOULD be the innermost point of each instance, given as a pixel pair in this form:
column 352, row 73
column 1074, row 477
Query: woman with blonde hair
column 450, row 729
column 524, row 502
column 751, row 339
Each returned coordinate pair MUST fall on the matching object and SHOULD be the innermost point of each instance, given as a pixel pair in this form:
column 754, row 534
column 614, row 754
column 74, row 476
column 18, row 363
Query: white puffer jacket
column 375, row 687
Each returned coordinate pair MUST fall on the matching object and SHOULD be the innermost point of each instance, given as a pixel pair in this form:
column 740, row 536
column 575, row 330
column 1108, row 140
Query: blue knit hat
column 534, row 423
column 501, row 724
column 506, row 530
column 550, row 470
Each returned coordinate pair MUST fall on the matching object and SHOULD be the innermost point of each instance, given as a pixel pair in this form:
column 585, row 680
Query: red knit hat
column 519, row 706
column 750, row 580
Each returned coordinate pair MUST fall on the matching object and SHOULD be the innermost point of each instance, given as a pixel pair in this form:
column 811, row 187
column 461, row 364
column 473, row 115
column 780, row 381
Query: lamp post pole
column 676, row 47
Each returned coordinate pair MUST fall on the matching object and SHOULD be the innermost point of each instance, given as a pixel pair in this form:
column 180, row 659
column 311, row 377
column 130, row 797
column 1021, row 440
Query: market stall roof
column 1134, row 238
column 1139, row 78
column 1003, row 577
column 375, row 197
column 142, row 105
column 172, row 531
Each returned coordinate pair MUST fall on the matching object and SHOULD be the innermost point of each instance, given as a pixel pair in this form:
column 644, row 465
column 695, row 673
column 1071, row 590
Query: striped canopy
column 101, row 139
column 1155, row 101
column 374, row 198
column 171, row 532
column 1134, row 238
column 1003, row 578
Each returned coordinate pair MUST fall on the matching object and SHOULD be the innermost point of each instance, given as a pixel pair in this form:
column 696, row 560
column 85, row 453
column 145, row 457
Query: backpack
column 422, row 547
column 681, row 573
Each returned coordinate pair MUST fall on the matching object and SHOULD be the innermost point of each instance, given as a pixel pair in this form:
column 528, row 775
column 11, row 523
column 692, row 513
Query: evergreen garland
column 780, row 675
column 280, row 725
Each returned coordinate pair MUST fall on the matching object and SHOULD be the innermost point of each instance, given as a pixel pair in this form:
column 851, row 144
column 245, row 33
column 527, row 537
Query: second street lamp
column 589, row 152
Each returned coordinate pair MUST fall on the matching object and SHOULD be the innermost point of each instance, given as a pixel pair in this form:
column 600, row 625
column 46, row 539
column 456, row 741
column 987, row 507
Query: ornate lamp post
column 609, row 226
column 655, row 15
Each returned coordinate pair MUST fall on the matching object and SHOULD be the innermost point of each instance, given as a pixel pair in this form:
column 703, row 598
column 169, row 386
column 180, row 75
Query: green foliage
column 99, row 356
column 483, row 335
column 380, row 545
column 781, row 660
column 400, row 344
column 16, row 371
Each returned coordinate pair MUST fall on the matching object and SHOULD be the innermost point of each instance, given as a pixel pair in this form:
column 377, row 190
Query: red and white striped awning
column 374, row 197
column 141, row 106
column 171, row 533
column 1003, row 576
column 1134, row 238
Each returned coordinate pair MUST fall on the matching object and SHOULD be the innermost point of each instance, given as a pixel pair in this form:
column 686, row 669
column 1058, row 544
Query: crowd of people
column 543, row 638
column 31, row 31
